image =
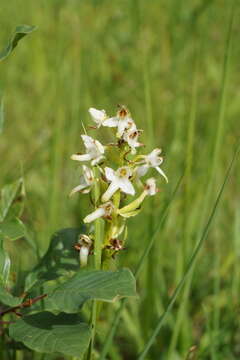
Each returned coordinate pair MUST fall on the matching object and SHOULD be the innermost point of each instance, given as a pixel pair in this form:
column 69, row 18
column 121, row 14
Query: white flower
column 152, row 160
column 134, row 207
column 85, row 244
column 151, row 187
column 122, row 121
column 119, row 180
column 104, row 210
column 94, row 151
column 86, row 181
column 98, row 116
column 131, row 137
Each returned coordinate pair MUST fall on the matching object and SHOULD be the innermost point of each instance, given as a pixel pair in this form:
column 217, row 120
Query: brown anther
column 120, row 142
column 123, row 111
column 108, row 217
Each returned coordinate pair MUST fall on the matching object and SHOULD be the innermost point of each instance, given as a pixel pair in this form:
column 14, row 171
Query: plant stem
column 97, row 264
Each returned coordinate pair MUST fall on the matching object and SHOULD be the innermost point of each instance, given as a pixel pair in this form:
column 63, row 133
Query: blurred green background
column 175, row 64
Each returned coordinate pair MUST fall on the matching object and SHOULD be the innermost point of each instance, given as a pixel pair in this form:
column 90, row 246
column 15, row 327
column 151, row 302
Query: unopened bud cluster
column 118, row 170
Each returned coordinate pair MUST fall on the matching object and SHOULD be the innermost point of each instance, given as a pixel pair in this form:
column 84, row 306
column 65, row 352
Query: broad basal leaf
column 20, row 32
column 47, row 333
column 91, row 284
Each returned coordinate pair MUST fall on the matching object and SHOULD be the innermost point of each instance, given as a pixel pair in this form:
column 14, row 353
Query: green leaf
column 20, row 32
column 11, row 197
column 47, row 333
column 1, row 115
column 8, row 299
column 91, row 284
column 13, row 229
column 5, row 263
column 60, row 259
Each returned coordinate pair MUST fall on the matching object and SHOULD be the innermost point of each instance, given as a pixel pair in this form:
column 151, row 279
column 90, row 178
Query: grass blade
column 190, row 263
column 20, row 32
column 1, row 115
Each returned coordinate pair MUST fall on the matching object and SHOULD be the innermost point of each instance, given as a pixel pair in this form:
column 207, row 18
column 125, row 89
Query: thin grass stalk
column 236, row 270
column 191, row 262
column 151, row 259
column 110, row 335
column 187, row 202
column 216, row 156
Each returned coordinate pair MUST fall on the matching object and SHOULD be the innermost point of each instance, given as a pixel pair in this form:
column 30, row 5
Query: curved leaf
column 47, row 333
column 20, row 32
column 91, row 284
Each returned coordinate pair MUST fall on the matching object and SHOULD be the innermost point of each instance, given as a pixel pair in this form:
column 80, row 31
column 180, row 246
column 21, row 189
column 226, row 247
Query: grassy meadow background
column 176, row 65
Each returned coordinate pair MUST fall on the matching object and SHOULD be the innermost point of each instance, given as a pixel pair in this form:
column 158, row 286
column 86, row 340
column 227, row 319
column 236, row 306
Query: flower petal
column 83, row 255
column 122, row 124
column 97, row 160
column 142, row 170
column 78, row 188
column 84, row 157
column 113, row 187
column 161, row 173
column 151, row 186
column 97, row 115
column 88, row 141
column 88, row 175
column 126, row 186
column 99, row 146
column 99, row 212
column 110, row 174
column 111, row 122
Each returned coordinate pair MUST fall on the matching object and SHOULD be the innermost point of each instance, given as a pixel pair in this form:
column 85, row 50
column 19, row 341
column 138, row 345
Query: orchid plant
column 43, row 313
column 120, row 172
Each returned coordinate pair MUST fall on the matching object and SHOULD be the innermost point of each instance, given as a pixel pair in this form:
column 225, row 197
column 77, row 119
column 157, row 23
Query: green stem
column 97, row 264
